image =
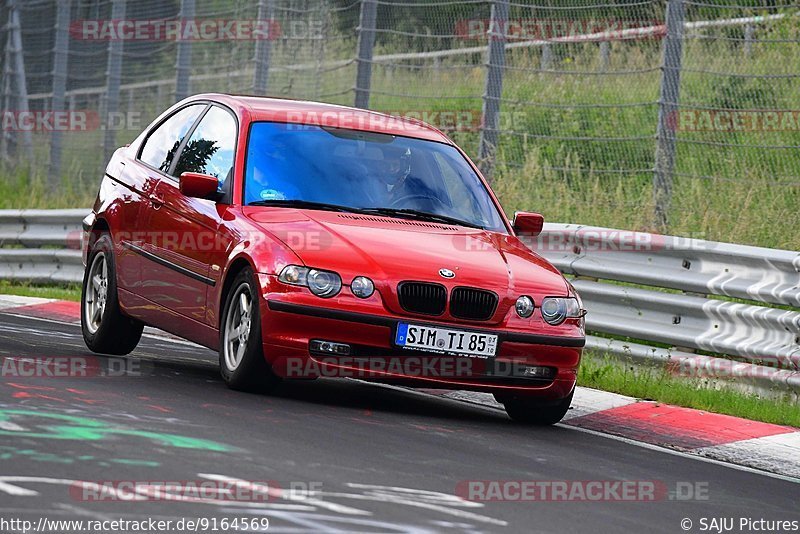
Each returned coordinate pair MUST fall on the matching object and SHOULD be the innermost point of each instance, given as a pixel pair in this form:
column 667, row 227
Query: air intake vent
column 421, row 297
column 473, row 304
column 399, row 222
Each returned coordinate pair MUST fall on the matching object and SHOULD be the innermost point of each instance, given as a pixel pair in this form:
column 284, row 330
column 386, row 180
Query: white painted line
column 688, row 455
column 161, row 336
column 588, row 401
column 772, row 453
column 16, row 301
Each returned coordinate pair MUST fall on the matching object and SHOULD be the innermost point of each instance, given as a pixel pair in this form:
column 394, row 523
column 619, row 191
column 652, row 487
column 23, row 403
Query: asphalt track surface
column 379, row 459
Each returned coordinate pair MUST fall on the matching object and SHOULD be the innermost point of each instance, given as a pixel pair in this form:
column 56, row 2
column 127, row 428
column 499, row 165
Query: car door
column 142, row 176
column 183, row 241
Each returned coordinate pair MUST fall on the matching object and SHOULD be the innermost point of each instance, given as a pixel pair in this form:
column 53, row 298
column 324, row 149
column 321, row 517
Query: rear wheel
column 241, row 354
column 535, row 411
column 105, row 328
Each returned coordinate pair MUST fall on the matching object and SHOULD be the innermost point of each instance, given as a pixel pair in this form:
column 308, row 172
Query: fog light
column 524, row 306
column 329, row 347
column 362, row 287
column 537, row 372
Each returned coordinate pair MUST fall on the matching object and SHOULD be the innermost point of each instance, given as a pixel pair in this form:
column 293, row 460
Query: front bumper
column 289, row 326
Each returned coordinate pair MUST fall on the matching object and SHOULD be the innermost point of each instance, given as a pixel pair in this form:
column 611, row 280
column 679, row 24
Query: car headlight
column 362, row 287
column 555, row 310
column 524, row 306
column 294, row 274
column 323, row 284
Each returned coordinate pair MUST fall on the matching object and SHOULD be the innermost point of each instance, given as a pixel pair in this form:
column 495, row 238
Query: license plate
column 446, row 341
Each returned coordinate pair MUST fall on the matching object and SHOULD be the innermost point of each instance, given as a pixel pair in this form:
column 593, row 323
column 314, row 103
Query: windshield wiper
column 304, row 204
column 422, row 215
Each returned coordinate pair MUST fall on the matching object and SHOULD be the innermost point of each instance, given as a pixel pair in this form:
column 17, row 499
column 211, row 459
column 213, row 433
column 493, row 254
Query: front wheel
column 241, row 353
column 534, row 411
column 105, row 329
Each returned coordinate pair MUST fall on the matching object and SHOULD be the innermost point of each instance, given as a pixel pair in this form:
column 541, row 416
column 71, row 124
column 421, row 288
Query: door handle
column 156, row 201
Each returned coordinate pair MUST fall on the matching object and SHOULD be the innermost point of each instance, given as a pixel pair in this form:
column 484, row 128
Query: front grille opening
column 422, row 297
column 473, row 304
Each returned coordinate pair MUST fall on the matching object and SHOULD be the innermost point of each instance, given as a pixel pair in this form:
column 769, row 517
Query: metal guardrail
column 662, row 290
column 699, row 297
column 41, row 246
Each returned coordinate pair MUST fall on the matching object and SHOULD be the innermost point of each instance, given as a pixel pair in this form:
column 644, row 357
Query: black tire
column 108, row 331
column 250, row 371
column 534, row 411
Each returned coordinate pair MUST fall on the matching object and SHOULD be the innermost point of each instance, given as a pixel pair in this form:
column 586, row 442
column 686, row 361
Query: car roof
column 270, row 109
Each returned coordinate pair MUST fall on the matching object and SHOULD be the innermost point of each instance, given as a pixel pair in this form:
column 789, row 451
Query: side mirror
column 528, row 224
column 195, row 184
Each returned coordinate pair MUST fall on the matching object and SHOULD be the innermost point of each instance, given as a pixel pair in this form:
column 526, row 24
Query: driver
column 397, row 167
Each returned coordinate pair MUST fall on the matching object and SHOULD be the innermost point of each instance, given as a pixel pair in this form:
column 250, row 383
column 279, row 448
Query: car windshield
column 347, row 170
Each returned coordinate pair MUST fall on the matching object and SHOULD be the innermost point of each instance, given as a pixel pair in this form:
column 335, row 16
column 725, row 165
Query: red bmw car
column 303, row 239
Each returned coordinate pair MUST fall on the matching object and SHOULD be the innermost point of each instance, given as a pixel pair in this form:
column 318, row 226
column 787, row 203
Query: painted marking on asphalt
column 675, row 426
column 779, row 452
column 16, row 491
column 279, row 493
column 64, row 310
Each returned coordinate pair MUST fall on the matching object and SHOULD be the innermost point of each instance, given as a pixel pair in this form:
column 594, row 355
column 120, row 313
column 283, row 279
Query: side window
column 163, row 142
column 211, row 146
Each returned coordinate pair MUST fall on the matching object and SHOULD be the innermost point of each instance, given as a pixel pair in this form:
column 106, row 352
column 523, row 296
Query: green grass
column 71, row 292
column 609, row 374
column 24, row 188
column 740, row 194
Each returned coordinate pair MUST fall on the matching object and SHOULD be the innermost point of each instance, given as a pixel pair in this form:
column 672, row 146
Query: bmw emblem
column 446, row 273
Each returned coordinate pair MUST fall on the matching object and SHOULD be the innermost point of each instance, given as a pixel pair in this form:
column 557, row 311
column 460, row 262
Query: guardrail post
column 667, row 113
column 495, row 64
column 113, row 76
column 266, row 9
column 183, row 66
column 60, row 61
column 366, row 45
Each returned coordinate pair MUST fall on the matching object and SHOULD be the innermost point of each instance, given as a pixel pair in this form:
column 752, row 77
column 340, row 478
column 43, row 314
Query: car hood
column 392, row 250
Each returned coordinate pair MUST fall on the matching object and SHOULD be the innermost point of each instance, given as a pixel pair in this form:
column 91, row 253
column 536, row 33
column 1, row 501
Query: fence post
column 183, row 65
column 60, row 60
column 667, row 112
column 366, row 44
column 113, row 76
column 605, row 55
column 263, row 48
column 546, row 62
column 493, row 92
column 6, row 136
column 749, row 37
